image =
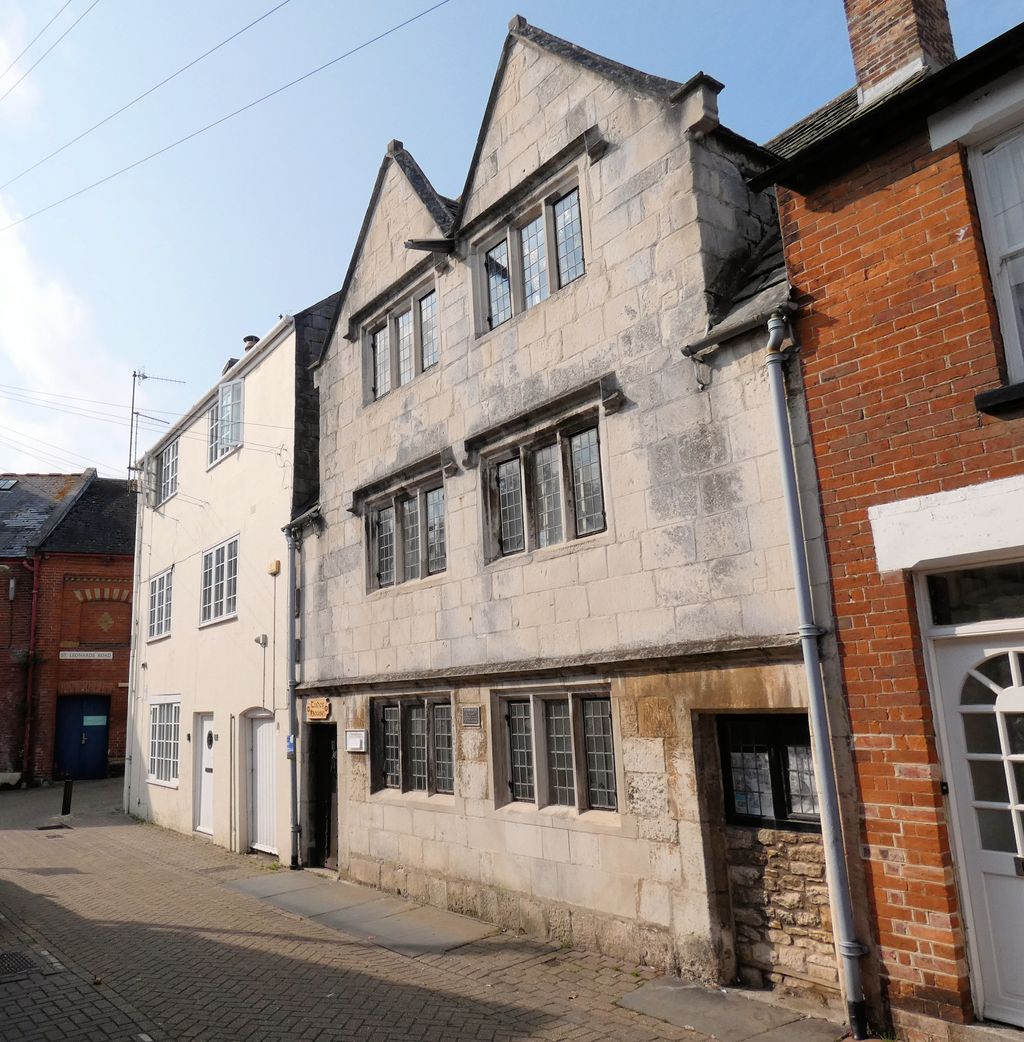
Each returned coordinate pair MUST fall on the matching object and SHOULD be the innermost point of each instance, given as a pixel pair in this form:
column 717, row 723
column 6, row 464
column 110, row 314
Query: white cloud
column 21, row 103
column 49, row 345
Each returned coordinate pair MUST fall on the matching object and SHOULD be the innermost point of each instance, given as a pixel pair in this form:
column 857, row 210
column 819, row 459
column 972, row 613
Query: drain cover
column 15, row 962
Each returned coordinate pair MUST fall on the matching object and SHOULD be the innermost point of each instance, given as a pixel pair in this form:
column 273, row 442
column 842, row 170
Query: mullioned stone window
column 402, row 342
column 556, row 748
column 411, row 744
column 530, row 257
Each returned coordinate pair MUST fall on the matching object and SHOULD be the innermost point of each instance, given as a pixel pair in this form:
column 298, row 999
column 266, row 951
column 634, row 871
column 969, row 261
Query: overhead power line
column 48, row 49
column 144, row 94
column 27, row 46
column 224, row 119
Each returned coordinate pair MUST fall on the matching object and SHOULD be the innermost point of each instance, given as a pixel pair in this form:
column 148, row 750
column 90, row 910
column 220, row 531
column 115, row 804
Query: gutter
column 284, row 325
column 837, row 873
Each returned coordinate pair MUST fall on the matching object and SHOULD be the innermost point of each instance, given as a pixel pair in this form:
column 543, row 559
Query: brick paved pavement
column 142, row 942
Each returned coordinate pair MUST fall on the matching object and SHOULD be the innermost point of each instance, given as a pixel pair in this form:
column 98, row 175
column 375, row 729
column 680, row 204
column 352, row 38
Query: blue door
column 83, row 724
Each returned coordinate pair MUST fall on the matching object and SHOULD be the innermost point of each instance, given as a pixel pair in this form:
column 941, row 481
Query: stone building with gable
column 548, row 644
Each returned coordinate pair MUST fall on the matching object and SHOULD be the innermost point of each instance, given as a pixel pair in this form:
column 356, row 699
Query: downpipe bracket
column 853, row 949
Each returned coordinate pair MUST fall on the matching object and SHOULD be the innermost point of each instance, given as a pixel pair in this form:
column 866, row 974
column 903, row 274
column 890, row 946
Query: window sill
column 1007, row 400
column 544, row 553
column 162, row 784
column 233, row 451
column 431, row 369
column 510, row 323
column 409, row 585
column 158, row 638
column 775, row 825
column 233, row 617
column 443, row 802
column 556, row 816
column 163, row 502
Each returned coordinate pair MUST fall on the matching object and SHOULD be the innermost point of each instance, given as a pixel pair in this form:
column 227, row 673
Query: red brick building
column 902, row 210
column 66, row 560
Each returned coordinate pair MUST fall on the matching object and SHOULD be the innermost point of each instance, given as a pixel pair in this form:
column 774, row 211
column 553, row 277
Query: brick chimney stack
column 893, row 39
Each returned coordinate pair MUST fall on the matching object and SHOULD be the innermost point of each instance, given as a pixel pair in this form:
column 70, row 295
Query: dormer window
column 517, row 272
column 403, row 342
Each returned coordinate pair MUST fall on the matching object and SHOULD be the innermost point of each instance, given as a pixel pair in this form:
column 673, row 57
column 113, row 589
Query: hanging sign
column 318, row 709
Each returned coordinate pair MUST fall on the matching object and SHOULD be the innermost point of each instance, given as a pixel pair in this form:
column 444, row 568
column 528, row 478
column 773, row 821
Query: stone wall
column 639, row 883
column 780, row 910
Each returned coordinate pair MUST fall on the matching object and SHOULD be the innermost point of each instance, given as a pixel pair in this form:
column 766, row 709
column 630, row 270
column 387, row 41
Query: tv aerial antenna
column 138, row 375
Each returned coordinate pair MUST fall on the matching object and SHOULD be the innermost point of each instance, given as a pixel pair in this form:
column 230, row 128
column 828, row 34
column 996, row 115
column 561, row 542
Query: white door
column 982, row 682
column 204, row 804
column 262, row 819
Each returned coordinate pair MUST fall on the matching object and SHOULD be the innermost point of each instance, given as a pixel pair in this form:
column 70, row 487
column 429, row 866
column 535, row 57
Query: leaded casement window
column 999, row 167
column 160, row 604
column 225, row 422
column 164, row 734
column 411, row 744
column 546, row 490
column 219, row 591
column 557, row 749
column 403, row 342
column 407, row 534
column 516, row 270
column 768, row 771
column 167, row 472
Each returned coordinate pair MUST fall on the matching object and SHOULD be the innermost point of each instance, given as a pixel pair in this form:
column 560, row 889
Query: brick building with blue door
column 66, row 559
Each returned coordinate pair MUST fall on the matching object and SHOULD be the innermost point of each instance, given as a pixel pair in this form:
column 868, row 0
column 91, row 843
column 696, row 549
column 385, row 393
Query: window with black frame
column 545, row 491
column 407, row 534
column 768, row 771
column 560, row 751
column 411, row 745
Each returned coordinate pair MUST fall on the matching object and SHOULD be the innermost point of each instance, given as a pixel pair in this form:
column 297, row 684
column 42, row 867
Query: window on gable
column 219, row 596
column 545, row 491
column 559, row 750
column 408, row 534
column 516, row 268
column 411, row 745
column 768, row 771
column 160, row 604
column 167, row 473
column 225, row 421
column 403, row 343
column 1002, row 211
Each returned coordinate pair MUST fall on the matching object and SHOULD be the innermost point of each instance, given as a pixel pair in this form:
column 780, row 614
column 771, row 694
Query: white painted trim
column 965, row 525
column 949, row 801
column 988, row 112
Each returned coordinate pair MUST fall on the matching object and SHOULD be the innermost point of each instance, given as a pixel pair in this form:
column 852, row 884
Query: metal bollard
column 66, row 805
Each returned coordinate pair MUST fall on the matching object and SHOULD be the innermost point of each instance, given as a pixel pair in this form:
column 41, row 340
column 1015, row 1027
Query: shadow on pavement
column 93, row 803
column 223, row 984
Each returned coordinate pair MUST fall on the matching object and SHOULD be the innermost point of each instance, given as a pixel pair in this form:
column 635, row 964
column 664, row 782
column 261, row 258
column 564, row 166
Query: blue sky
column 169, row 266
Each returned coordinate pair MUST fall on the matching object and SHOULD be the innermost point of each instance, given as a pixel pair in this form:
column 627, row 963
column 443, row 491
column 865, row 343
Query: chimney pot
column 250, row 341
column 892, row 40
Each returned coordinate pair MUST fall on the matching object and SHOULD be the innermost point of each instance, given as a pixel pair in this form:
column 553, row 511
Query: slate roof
column 100, row 521
column 30, row 509
column 834, row 115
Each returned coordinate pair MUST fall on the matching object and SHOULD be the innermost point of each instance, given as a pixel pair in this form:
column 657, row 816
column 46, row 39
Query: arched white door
column 982, row 683
column 262, row 783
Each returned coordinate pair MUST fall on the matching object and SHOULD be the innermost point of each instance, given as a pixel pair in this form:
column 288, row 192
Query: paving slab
column 422, row 930
column 312, row 901
column 726, row 1015
column 267, row 884
column 359, row 919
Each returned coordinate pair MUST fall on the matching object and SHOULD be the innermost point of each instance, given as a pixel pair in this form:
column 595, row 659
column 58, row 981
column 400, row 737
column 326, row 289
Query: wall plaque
column 470, row 716
column 318, row 709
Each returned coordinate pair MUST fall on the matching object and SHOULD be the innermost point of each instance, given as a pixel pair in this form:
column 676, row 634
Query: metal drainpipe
column 838, row 877
column 136, row 648
column 26, row 751
column 293, row 716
